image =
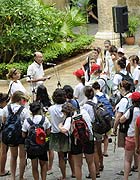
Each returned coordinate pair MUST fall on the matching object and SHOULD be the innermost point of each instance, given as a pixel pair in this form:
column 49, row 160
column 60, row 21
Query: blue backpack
column 102, row 99
column 11, row 133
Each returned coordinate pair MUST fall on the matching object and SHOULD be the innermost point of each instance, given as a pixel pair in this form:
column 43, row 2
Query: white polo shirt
column 136, row 77
column 16, row 86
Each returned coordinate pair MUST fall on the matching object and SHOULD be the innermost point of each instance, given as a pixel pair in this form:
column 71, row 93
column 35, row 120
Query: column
column 105, row 24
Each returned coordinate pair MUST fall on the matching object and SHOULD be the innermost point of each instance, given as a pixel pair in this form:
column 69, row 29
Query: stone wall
column 133, row 6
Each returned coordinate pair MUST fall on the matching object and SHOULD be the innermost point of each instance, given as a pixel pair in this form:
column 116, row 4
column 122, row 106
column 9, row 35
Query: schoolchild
column 36, row 118
column 78, row 89
column 58, row 142
column 4, row 99
column 130, row 138
column 15, row 83
column 18, row 99
column 137, row 142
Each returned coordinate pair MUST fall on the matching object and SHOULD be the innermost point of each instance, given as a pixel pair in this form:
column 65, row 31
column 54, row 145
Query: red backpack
column 80, row 129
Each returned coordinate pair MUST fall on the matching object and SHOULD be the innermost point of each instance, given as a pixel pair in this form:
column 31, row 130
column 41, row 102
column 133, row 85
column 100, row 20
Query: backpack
column 102, row 99
column 102, row 123
column 35, row 144
column 80, row 130
column 105, row 89
column 123, row 127
column 114, row 99
column 128, row 78
column 11, row 133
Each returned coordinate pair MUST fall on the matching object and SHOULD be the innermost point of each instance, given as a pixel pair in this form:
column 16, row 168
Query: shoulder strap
column 90, row 103
column 30, row 121
column 42, row 121
column 105, row 82
column 131, row 114
column 10, row 88
column 10, row 109
column 20, row 110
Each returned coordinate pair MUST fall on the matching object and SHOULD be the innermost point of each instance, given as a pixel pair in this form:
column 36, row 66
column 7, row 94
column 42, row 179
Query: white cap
column 121, row 50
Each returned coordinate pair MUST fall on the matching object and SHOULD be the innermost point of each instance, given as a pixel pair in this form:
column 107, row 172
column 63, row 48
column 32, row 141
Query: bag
column 11, row 133
column 114, row 99
column 80, row 129
column 35, row 142
column 102, row 99
column 123, row 127
column 128, row 78
column 105, row 89
column 102, row 123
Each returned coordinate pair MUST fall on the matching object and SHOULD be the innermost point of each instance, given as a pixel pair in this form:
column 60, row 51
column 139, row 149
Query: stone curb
column 50, row 70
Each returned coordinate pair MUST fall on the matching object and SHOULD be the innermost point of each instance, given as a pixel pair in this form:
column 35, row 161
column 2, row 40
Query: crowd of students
column 108, row 76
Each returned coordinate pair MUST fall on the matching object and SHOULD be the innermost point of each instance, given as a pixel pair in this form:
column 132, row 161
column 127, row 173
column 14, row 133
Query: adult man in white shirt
column 35, row 72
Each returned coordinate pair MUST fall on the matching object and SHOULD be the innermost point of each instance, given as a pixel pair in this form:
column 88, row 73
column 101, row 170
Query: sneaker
column 121, row 173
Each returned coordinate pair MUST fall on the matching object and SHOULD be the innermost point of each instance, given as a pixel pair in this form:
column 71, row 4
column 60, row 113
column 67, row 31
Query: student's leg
column 43, row 167
column 105, row 145
column 50, row 159
column 22, row 161
column 35, row 169
column 13, row 161
column 71, row 162
column 78, row 165
column 127, row 163
column 3, row 158
column 139, row 166
column 91, row 165
column 62, row 164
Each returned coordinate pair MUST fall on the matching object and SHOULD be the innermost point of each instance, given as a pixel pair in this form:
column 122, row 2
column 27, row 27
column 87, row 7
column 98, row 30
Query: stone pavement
column 63, row 73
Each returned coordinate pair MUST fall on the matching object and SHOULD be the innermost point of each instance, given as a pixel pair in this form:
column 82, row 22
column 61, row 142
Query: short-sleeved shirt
column 131, row 129
column 35, row 71
column 79, row 93
column 136, row 77
column 90, row 111
column 24, row 113
column 16, row 86
column 56, row 117
column 36, row 119
column 118, row 79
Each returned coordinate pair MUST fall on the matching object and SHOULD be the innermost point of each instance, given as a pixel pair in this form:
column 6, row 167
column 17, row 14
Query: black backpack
column 103, row 119
column 31, row 145
column 11, row 133
column 128, row 78
column 123, row 127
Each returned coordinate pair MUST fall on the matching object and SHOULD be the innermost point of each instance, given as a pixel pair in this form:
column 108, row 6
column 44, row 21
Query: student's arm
column 24, row 134
column 137, row 135
column 117, row 120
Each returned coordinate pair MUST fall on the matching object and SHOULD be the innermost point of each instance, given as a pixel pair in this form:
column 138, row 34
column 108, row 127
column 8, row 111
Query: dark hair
column 136, row 103
column 107, row 42
column 69, row 91
column 96, row 85
column 35, row 108
column 134, row 58
column 59, row 96
column 4, row 97
column 89, row 93
column 68, row 108
column 17, row 96
column 126, row 85
column 122, row 62
column 98, row 50
column 113, row 49
column 42, row 96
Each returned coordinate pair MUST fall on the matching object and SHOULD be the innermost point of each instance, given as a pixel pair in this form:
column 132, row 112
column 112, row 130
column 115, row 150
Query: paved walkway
column 63, row 72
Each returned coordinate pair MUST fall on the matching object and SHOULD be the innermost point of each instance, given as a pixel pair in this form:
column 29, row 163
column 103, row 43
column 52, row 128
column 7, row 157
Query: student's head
column 120, row 52
column 92, row 60
column 95, row 69
column 42, row 96
column 80, row 75
column 121, row 63
column 96, row 52
column 107, row 44
column 19, row 97
column 35, row 108
column 89, row 92
column 68, row 109
column 14, row 74
column 38, row 57
column 135, row 97
column 69, row 91
column 113, row 52
column 96, row 86
column 59, row 96
column 125, row 87
column 134, row 60
column 4, row 99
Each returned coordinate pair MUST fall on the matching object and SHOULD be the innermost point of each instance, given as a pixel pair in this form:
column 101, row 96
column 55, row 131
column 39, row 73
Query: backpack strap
column 131, row 114
column 18, row 111
column 42, row 121
column 30, row 121
column 10, row 109
column 105, row 82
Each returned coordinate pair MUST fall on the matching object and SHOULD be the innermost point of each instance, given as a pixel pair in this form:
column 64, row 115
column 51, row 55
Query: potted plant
column 133, row 22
